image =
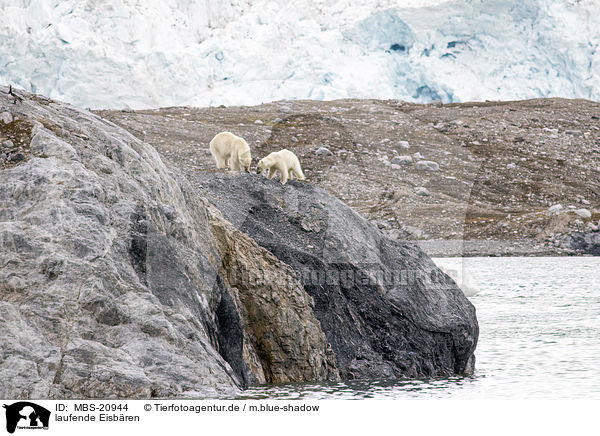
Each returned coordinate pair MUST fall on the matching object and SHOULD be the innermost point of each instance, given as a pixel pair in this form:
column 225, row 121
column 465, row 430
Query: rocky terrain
column 460, row 179
column 123, row 277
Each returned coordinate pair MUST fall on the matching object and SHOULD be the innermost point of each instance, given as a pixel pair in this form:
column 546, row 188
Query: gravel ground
column 500, row 165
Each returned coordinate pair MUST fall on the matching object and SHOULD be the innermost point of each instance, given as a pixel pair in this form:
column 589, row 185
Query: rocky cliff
column 116, row 281
column 118, row 278
column 385, row 308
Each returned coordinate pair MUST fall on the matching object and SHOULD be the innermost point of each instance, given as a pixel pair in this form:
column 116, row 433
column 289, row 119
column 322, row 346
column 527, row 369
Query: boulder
column 584, row 242
column 323, row 151
column 422, row 191
column 583, row 213
column 5, row 117
column 401, row 160
column 555, row 209
column 117, row 280
column 573, row 132
column 427, row 165
column 386, row 309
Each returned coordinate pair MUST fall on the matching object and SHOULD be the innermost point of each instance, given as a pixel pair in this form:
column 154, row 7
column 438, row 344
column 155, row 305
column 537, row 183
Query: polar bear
column 284, row 161
column 230, row 150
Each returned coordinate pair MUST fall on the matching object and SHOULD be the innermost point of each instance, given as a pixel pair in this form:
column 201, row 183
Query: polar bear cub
column 230, row 150
column 284, row 161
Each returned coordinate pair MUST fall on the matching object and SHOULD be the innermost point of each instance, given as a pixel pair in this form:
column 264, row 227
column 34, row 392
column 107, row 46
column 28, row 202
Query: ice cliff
column 127, row 53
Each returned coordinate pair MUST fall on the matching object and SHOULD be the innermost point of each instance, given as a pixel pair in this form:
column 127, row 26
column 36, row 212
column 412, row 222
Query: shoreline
column 478, row 248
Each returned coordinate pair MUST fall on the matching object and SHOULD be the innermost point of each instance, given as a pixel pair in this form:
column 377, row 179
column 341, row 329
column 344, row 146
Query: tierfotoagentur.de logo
column 26, row 415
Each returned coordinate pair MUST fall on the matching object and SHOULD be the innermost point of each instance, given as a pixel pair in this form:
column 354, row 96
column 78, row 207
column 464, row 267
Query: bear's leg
column 221, row 163
column 298, row 173
column 271, row 173
column 291, row 174
column 234, row 163
column 284, row 175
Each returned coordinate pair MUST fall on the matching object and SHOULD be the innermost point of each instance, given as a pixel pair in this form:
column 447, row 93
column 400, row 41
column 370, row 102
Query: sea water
column 539, row 320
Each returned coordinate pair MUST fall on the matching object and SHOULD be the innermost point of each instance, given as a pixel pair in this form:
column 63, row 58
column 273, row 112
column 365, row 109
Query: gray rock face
column 385, row 308
column 116, row 280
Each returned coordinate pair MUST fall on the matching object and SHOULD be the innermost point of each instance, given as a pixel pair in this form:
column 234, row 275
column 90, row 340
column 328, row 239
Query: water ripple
column 539, row 337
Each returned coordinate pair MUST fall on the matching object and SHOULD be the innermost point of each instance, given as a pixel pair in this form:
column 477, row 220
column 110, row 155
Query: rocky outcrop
column 282, row 339
column 116, row 280
column 386, row 310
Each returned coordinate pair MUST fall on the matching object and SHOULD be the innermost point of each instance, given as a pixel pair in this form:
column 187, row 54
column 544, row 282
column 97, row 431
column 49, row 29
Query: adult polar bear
column 230, row 150
column 284, row 161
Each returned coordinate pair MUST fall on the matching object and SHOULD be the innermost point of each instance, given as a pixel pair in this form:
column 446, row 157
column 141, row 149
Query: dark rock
column 16, row 157
column 385, row 308
column 398, row 47
column 585, row 242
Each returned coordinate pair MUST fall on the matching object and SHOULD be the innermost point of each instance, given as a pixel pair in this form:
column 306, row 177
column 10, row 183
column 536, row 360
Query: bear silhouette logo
column 26, row 415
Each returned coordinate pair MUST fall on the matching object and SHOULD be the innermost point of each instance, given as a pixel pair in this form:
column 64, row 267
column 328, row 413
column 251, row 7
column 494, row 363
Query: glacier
column 138, row 54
